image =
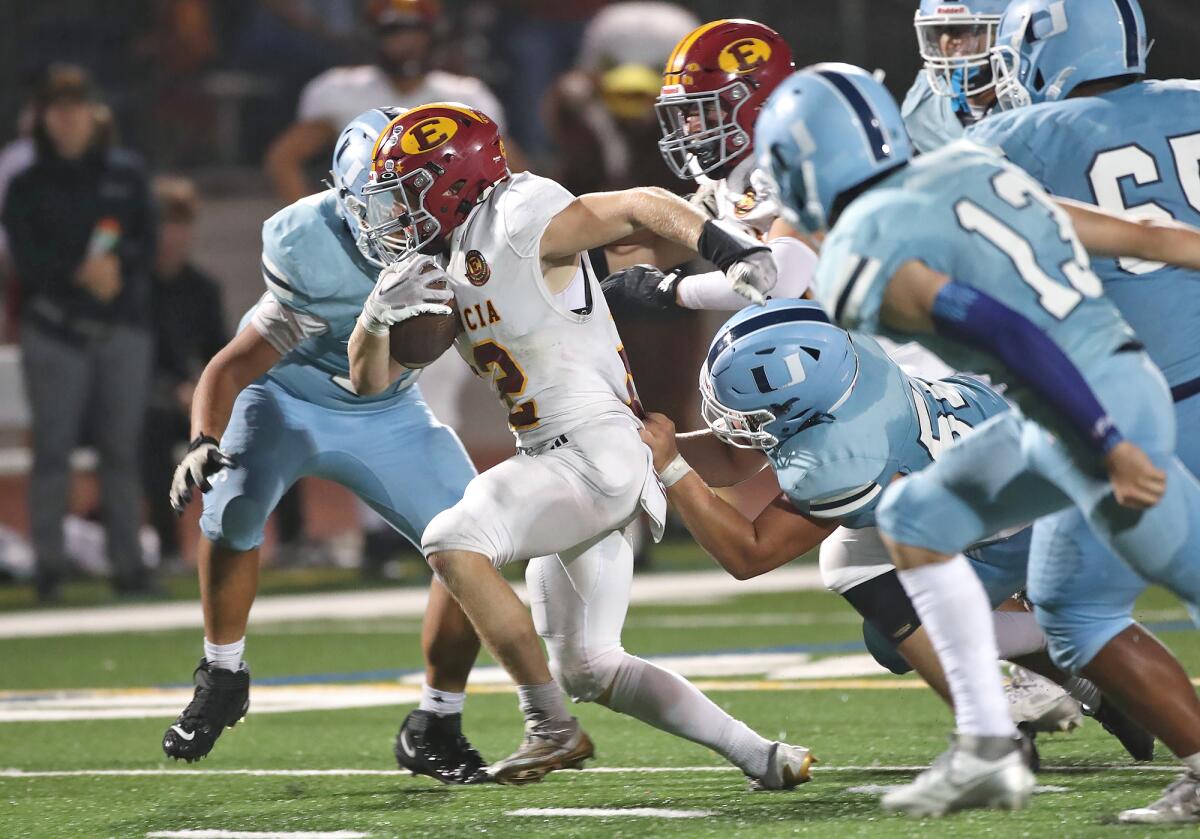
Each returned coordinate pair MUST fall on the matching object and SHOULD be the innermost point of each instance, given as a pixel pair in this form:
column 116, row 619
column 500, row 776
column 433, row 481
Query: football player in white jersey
column 714, row 82
column 535, row 323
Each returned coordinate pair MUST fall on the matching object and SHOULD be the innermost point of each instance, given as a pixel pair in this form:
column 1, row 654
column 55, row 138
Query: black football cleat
column 1137, row 741
column 1029, row 748
column 220, row 700
column 433, row 745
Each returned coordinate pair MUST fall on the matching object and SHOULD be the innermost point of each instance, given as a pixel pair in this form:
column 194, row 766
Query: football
column 420, row 340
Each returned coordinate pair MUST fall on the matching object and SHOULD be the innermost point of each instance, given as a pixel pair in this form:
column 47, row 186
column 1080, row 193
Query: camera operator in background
column 80, row 224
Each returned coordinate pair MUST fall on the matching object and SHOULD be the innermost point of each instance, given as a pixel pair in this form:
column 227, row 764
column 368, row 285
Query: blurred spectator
column 402, row 75
column 187, row 319
column 81, row 229
column 16, row 156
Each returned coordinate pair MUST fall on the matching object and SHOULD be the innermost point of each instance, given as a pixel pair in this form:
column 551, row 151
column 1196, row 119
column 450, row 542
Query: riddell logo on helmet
column 744, row 55
column 427, row 135
column 952, row 10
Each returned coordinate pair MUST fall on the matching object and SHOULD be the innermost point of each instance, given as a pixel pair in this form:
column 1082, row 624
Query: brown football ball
column 422, row 339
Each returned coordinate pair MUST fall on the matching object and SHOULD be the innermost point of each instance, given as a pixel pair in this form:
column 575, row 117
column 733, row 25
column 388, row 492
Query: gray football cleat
column 1180, row 804
column 787, row 768
column 1041, row 704
column 965, row 777
column 549, row 745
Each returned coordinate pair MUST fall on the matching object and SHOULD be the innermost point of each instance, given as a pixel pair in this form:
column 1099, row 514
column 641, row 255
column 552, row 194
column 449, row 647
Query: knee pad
column 889, row 618
column 456, row 529
column 583, row 675
column 236, row 524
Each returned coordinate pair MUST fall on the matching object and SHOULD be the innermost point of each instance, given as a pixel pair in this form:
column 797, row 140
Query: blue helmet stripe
column 871, row 123
column 1129, row 24
column 762, row 321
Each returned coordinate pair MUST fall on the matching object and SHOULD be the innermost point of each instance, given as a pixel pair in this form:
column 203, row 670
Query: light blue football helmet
column 1047, row 48
column 827, row 129
column 955, row 41
column 352, row 164
column 773, row 370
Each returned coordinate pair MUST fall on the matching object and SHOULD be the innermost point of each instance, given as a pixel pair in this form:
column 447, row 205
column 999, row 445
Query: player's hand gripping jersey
column 556, row 361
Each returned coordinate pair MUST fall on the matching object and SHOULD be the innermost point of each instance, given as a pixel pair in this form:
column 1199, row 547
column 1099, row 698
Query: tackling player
column 535, row 324
column 279, row 400
column 966, row 253
column 837, row 420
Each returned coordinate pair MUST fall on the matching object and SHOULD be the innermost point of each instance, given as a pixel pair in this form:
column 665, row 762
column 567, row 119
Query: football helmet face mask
column 429, row 169
column 351, row 168
column 714, row 83
column 773, row 371
column 955, row 40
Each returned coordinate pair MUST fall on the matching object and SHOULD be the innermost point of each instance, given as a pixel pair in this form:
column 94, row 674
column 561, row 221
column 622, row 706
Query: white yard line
column 609, row 812
column 597, row 770
column 256, row 834
column 682, row 587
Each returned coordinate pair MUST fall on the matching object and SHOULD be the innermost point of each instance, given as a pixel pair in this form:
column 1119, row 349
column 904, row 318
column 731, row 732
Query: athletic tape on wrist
column 674, row 471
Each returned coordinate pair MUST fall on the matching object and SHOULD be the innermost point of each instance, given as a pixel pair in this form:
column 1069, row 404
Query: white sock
column 542, row 702
column 1192, row 762
column 670, row 703
column 954, row 610
column 1017, row 634
column 225, row 656
column 1082, row 690
column 441, row 702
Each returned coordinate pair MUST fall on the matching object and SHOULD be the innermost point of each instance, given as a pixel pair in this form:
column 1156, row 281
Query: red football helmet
column 714, row 84
column 430, row 167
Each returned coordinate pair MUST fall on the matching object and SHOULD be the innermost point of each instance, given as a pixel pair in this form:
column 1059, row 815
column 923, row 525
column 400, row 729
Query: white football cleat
column 962, row 779
column 787, row 768
column 1039, row 703
column 1180, row 804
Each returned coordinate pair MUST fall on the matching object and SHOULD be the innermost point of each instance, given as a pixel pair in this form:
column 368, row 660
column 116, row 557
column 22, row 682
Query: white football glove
column 753, row 275
column 409, row 287
column 203, row 460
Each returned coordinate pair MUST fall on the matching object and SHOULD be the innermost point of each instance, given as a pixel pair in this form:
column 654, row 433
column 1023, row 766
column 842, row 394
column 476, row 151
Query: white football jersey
column 743, row 196
column 556, row 361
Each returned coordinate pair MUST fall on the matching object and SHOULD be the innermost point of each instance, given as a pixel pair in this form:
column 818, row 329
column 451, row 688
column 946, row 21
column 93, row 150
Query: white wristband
column 373, row 326
column 674, row 471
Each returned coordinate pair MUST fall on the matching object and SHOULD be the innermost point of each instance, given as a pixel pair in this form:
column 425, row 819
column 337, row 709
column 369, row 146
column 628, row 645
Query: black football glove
column 643, row 285
column 746, row 261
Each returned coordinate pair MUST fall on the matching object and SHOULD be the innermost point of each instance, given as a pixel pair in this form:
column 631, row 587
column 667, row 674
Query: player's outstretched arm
column 1105, row 233
column 919, row 299
column 719, row 465
column 370, row 361
column 601, row 218
column 742, row 547
column 238, row 363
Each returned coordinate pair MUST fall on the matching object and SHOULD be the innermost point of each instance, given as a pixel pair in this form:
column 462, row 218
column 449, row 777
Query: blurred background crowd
column 191, row 121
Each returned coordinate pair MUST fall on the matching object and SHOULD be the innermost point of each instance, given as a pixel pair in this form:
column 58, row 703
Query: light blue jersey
column 303, row 419
column 312, row 267
column 891, row 423
column 1135, row 149
column 966, row 212
column 930, row 119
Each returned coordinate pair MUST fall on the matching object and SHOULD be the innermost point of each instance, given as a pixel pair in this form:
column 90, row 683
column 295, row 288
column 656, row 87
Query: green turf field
column 867, row 732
